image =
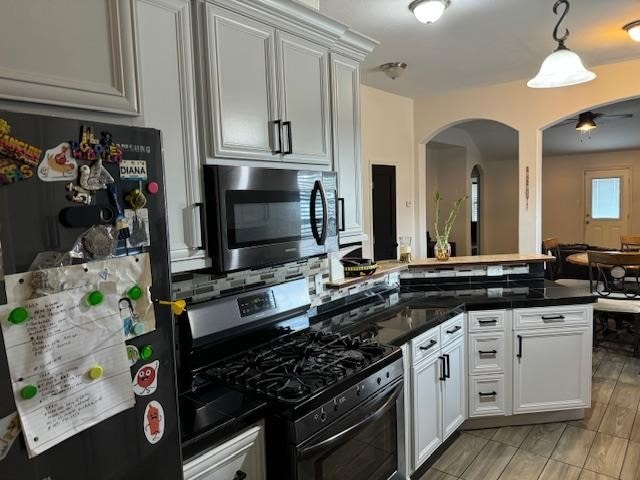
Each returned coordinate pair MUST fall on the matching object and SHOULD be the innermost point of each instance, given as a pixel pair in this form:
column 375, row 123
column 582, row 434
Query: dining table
column 582, row 258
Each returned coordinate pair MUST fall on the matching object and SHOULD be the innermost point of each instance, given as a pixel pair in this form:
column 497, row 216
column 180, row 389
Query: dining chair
column 614, row 277
column 630, row 243
column 551, row 246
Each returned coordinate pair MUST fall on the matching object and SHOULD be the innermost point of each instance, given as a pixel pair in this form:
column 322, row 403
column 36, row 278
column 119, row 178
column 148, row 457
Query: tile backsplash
column 316, row 270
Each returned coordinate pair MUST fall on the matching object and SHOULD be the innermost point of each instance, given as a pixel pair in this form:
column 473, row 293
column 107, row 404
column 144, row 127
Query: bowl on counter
column 357, row 267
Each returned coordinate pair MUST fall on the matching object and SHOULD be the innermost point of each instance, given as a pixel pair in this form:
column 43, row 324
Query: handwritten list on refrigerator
column 68, row 363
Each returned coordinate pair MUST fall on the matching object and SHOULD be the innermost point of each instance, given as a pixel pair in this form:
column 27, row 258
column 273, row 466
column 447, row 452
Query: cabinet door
column 345, row 88
column 454, row 395
column 552, row 370
column 303, row 80
column 427, row 380
column 167, row 97
column 241, row 86
column 243, row 454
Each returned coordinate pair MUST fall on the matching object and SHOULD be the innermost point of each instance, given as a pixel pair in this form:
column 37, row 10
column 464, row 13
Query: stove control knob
column 323, row 415
column 379, row 380
column 335, row 404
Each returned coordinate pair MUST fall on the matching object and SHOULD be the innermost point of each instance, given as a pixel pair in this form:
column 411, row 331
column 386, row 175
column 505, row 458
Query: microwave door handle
column 320, row 237
column 384, row 408
column 325, row 214
column 312, row 215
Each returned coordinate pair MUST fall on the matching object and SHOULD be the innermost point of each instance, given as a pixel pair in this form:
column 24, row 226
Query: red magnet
column 153, row 187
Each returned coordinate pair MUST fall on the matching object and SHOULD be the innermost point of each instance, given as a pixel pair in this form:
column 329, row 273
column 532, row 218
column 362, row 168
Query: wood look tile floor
column 604, row 445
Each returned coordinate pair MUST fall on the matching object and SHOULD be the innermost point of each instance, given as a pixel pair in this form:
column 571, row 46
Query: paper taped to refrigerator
column 68, row 363
column 130, row 274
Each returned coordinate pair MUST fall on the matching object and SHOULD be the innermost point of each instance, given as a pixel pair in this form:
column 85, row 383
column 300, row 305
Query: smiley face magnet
column 146, row 380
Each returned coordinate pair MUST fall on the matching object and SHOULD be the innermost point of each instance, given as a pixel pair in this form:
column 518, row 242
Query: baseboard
column 524, row 419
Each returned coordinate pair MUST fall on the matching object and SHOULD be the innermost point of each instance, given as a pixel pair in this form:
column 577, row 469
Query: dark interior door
column 385, row 244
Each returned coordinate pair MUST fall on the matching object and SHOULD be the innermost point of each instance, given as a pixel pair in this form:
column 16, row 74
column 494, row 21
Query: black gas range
column 334, row 401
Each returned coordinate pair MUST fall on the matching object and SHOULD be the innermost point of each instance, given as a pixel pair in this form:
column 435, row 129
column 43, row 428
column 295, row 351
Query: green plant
column 443, row 239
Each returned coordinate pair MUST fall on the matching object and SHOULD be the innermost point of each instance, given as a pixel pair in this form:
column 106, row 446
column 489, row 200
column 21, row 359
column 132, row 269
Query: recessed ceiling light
column 633, row 29
column 428, row 11
column 394, row 69
column 563, row 67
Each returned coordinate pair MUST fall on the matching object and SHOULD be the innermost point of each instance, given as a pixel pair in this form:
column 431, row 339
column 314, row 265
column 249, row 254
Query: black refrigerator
column 67, row 189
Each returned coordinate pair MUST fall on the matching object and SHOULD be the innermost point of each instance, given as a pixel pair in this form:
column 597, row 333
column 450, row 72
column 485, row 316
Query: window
column 474, row 201
column 605, row 198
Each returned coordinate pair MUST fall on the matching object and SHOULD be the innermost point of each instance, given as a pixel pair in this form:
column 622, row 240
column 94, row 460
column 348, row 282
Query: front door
column 385, row 245
column 606, row 207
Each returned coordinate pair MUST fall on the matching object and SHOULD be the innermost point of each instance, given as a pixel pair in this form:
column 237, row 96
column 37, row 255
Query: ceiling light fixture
column 586, row 122
column 563, row 67
column 633, row 29
column 429, row 11
column 394, row 69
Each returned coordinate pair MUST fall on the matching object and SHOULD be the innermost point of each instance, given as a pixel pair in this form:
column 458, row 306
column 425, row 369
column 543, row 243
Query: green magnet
column 146, row 352
column 18, row 315
column 138, row 329
column 135, row 293
column 28, row 392
column 95, row 298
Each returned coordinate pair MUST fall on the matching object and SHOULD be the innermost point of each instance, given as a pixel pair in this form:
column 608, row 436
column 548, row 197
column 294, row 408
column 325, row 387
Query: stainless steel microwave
column 265, row 216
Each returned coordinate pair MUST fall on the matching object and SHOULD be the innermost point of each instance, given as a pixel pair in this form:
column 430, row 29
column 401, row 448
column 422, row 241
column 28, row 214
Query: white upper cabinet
column 242, row 83
column 345, row 103
column 166, row 73
column 72, row 54
column 303, row 81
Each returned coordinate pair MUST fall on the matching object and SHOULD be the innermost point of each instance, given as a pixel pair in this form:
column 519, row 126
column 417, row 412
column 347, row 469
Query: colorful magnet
column 78, row 194
column 153, row 188
column 146, row 352
column 18, row 315
column 58, row 164
column 138, row 221
column 136, row 199
column 16, row 149
column 138, row 329
column 94, row 298
column 94, row 177
column 12, row 171
column 146, row 380
column 28, row 392
column 96, row 372
column 135, row 293
column 133, row 354
column 153, row 422
column 133, row 170
column 89, row 148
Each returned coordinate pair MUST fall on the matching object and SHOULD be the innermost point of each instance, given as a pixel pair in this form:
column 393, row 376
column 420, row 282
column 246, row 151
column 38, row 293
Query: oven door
column 268, row 216
column 364, row 444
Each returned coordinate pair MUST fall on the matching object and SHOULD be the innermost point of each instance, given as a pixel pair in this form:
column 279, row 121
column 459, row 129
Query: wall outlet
column 319, row 283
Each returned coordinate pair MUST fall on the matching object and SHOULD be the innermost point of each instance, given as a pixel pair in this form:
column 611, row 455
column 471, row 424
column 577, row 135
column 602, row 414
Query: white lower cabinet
column 241, row 457
column 438, row 392
column 487, row 396
column 552, row 370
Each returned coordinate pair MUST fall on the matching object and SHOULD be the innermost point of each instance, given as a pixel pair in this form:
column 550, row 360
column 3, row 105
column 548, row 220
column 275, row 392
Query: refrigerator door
column 30, row 223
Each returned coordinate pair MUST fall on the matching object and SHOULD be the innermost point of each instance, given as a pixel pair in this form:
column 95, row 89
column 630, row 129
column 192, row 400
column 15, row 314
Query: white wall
column 563, row 191
column 501, row 206
column 387, row 139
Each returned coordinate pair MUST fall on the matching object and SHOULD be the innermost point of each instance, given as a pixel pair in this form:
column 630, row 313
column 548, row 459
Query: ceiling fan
column 586, row 121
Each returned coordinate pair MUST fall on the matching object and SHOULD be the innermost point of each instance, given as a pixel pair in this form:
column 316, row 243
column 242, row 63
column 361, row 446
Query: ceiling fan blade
column 610, row 118
column 570, row 121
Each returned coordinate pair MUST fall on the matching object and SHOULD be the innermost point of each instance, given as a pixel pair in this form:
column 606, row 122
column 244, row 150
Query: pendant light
column 563, row 67
column 633, row 29
column 428, row 11
column 394, row 69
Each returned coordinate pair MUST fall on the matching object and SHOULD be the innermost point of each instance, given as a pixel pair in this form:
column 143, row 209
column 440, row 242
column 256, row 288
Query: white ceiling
column 480, row 42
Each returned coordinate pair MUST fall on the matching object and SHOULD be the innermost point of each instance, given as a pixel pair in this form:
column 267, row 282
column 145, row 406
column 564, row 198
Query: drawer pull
column 487, row 352
column 240, row 475
column 552, row 317
column 486, row 322
column 432, row 344
column 487, row 394
column 454, row 329
column 519, row 355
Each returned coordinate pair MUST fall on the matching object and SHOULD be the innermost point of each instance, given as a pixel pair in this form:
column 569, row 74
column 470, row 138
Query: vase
column 442, row 251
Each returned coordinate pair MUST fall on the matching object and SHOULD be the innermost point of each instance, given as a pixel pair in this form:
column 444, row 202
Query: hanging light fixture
column 428, row 11
column 586, row 122
column 633, row 29
column 393, row 69
column 563, row 67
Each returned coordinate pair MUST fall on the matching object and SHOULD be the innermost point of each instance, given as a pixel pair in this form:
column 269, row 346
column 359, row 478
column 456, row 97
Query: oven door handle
column 391, row 400
column 321, row 237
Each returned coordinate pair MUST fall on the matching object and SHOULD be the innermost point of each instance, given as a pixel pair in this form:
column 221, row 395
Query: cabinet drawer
column 486, row 396
column 549, row 317
column 486, row 353
column 452, row 329
column 487, row 320
column 426, row 345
